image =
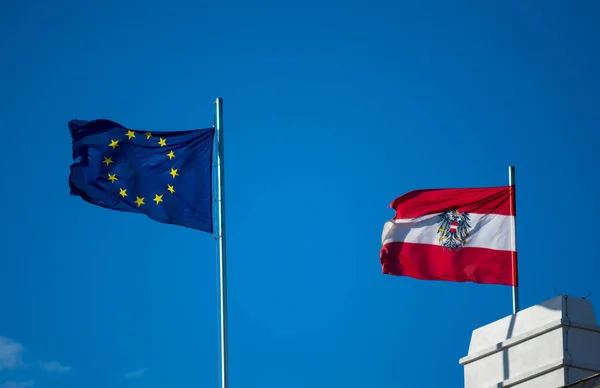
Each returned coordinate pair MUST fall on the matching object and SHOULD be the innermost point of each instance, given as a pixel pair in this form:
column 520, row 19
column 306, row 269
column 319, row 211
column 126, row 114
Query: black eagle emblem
column 454, row 229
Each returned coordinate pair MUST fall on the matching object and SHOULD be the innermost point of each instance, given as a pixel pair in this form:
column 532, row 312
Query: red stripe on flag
column 432, row 262
column 486, row 200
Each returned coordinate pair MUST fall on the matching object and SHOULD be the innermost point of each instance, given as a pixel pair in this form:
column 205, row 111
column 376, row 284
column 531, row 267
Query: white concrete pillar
column 549, row 345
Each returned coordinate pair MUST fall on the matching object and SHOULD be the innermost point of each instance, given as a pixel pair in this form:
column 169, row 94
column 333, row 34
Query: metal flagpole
column 513, row 211
column 222, row 245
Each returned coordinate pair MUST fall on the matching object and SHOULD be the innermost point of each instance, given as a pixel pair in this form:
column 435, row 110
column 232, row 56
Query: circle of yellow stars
column 139, row 201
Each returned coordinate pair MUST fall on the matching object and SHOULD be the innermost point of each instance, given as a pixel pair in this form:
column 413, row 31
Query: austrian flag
column 460, row 235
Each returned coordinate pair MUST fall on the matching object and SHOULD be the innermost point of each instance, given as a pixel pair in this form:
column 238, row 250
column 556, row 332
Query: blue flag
column 165, row 175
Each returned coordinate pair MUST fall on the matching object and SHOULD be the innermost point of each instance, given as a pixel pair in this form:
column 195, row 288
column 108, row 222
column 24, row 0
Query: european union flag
column 165, row 175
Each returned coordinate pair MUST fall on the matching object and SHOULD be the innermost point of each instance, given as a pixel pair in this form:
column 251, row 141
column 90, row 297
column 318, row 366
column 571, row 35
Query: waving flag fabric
column 460, row 235
column 165, row 175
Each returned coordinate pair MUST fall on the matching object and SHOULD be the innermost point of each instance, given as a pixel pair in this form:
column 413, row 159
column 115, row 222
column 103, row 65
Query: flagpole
column 513, row 211
column 222, row 245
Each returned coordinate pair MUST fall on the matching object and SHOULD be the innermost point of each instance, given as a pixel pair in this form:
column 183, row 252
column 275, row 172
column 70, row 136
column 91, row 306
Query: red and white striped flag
column 460, row 235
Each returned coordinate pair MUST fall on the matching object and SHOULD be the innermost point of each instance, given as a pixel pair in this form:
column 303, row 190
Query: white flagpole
column 513, row 211
column 222, row 245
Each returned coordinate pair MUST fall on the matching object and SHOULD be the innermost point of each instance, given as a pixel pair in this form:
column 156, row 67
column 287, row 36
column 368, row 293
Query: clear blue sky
column 332, row 109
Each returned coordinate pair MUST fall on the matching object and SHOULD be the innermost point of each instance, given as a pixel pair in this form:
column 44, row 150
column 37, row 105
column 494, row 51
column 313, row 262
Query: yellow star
column 170, row 188
column 171, row 154
column 139, row 201
column 148, row 135
column 112, row 177
column 114, row 144
column 174, row 172
column 123, row 192
column 162, row 142
column 157, row 198
column 107, row 160
column 130, row 134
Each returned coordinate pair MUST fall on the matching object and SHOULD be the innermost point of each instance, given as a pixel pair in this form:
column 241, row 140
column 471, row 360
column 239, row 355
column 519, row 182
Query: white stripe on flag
column 491, row 231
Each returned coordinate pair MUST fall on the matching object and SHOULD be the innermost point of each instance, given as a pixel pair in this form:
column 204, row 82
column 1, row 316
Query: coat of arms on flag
column 454, row 229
